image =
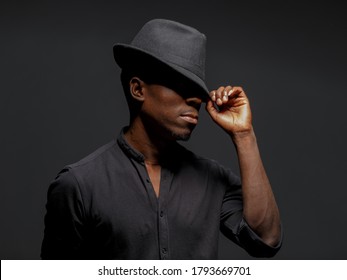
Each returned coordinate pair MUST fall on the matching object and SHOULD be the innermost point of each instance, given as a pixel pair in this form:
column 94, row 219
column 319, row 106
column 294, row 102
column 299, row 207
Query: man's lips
column 190, row 117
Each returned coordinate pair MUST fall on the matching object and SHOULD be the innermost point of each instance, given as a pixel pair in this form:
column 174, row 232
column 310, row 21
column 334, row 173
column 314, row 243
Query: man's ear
column 136, row 87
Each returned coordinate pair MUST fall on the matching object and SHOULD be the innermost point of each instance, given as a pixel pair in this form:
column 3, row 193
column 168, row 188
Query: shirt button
column 161, row 213
column 163, row 250
column 148, row 181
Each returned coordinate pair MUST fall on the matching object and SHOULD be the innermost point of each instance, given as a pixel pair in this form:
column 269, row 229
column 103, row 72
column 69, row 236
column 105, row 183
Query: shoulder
column 103, row 158
column 198, row 160
column 88, row 169
column 210, row 167
column 100, row 154
column 63, row 190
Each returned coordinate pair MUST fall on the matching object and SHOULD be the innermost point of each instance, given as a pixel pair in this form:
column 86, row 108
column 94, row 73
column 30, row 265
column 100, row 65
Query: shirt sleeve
column 234, row 226
column 64, row 219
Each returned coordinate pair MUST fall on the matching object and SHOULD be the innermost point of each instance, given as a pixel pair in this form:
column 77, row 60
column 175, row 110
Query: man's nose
column 194, row 101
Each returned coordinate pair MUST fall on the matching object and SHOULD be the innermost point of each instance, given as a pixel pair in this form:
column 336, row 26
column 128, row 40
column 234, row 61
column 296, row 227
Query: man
column 144, row 196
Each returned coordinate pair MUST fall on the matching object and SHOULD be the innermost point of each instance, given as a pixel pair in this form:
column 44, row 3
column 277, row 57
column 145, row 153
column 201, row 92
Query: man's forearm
column 260, row 208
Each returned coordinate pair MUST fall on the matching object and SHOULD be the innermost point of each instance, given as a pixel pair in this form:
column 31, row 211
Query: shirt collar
column 171, row 156
column 127, row 149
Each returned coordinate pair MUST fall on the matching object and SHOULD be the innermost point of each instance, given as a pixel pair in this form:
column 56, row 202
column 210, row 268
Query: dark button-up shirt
column 105, row 207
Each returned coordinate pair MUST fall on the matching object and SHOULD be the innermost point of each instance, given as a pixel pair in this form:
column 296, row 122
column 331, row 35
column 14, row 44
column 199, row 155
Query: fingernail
column 230, row 92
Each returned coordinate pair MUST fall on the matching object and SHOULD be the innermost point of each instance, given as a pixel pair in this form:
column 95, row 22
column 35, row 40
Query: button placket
column 162, row 216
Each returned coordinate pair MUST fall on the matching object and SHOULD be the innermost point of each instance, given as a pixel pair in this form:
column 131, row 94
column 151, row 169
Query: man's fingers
column 211, row 109
column 213, row 95
column 219, row 96
column 222, row 95
column 234, row 92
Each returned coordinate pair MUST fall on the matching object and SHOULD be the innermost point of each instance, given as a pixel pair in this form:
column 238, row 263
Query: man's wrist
column 243, row 137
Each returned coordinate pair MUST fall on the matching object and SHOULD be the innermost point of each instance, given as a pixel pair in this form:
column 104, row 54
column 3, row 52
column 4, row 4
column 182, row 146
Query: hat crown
column 175, row 43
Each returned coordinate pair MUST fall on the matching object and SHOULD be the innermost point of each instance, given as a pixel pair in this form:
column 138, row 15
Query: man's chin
column 179, row 133
column 182, row 136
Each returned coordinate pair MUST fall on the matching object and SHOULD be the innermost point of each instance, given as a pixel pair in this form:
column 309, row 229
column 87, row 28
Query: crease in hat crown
column 181, row 47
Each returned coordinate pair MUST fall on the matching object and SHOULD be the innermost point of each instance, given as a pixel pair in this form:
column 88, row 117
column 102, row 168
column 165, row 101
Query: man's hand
column 234, row 114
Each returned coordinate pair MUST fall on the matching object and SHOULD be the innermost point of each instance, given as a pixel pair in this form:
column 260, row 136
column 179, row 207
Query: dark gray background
column 61, row 98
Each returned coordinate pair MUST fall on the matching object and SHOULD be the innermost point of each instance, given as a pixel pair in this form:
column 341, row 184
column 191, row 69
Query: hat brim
column 128, row 56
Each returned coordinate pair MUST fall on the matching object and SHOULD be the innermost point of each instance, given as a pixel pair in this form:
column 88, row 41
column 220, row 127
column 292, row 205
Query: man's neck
column 147, row 144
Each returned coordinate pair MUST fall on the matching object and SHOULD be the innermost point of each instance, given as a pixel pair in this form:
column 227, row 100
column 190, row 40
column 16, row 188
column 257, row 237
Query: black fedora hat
column 176, row 46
